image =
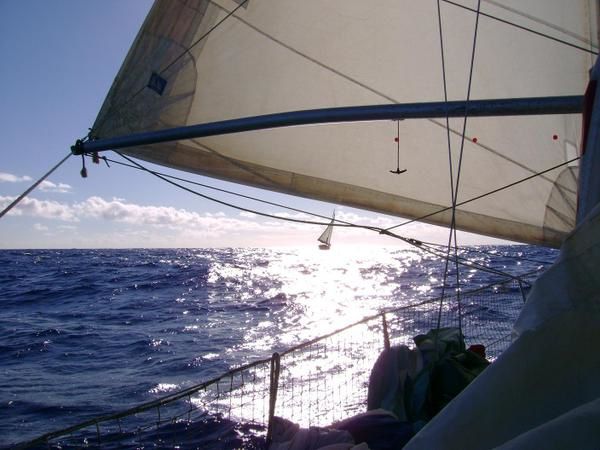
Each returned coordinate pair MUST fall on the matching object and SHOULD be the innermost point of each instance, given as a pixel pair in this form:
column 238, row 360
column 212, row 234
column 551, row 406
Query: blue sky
column 59, row 60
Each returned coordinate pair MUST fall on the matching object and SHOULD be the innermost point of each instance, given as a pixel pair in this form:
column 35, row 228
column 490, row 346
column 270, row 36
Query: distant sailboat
column 325, row 237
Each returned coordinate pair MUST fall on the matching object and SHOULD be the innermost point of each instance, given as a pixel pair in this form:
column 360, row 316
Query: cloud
column 120, row 211
column 10, row 178
column 162, row 216
column 117, row 210
column 40, row 208
column 46, row 186
column 40, row 227
column 49, row 186
column 206, row 224
column 164, row 226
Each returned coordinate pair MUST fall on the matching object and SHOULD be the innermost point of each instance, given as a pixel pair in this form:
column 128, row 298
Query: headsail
column 325, row 238
column 223, row 59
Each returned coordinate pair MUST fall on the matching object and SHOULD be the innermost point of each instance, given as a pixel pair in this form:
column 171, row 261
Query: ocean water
column 89, row 332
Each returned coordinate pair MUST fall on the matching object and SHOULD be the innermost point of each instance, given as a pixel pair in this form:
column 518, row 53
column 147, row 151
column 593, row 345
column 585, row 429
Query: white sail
column 271, row 56
column 325, row 237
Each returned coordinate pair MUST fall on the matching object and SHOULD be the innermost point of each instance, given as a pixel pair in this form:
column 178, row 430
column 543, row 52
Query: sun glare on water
column 333, row 288
column 285, row 299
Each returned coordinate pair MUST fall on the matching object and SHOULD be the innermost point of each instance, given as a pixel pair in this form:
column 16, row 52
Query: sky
column 59, row 60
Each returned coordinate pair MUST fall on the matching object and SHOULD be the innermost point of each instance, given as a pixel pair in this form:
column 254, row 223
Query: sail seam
column 560, row 216
column 185, row 52
column 235, row 162
column 539, row 21
column 359, row 83
column 464, row 202
column 504, row 157
column 530, row 30
column 309, row 58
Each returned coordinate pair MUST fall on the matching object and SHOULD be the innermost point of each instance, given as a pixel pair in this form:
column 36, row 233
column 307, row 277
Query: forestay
column 272, row 56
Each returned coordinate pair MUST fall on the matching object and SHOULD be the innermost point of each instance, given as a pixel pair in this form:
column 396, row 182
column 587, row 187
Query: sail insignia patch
column 157, row 83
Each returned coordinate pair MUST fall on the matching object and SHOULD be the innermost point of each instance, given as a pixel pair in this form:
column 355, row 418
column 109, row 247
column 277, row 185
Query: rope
column 412, row 242
column 33, row 186
column 241, row 208
column 237, row 194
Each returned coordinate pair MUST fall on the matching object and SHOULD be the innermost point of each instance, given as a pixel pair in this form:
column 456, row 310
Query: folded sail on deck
column 200, row 61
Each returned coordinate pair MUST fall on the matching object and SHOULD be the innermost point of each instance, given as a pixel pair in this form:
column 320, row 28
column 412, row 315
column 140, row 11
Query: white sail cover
column 270, row 56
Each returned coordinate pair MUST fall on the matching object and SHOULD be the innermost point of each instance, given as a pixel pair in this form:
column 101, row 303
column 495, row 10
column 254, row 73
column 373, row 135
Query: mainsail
column 325, row 238
column 200, row 61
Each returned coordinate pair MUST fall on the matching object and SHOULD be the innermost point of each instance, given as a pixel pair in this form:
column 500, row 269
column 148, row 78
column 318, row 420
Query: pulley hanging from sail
column 397, row 139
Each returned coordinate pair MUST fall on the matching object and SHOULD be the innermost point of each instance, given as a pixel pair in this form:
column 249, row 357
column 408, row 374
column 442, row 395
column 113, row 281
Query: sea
column 85, row 333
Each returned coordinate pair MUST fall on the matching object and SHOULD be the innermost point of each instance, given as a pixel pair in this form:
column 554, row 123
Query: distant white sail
column 325, row 237
column 282, row 55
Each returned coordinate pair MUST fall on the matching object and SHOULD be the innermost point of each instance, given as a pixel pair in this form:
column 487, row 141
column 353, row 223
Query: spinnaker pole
column 432, row 110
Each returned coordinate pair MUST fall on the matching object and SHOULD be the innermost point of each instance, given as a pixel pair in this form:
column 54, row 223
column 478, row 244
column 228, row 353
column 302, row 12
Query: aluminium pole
column 472, row 108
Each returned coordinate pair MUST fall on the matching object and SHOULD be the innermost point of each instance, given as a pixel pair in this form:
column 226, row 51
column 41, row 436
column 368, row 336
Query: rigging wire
column 380, row 230
column 412, row 242
column 453, row 232
column 450, row 165
column 225, row 191
column 340, row 222
column 33, row 186
column 231, row 205
column 472, row 199
column 521, row 27
column 460, row 159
